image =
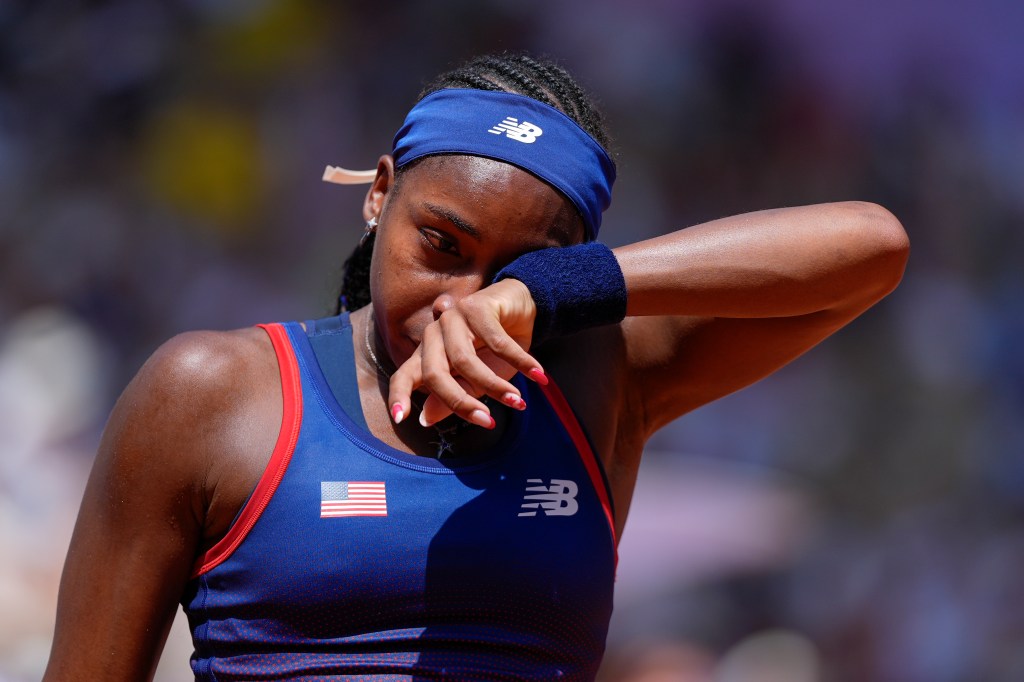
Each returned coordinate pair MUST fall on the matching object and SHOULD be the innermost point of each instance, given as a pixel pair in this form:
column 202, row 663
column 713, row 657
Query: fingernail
column 397, row 413
column 538, row 375
column 514, row 401
column 423, row 419
column 481, row 418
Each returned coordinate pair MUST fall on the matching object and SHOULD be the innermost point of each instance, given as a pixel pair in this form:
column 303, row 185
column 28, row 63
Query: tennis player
column 431, row 484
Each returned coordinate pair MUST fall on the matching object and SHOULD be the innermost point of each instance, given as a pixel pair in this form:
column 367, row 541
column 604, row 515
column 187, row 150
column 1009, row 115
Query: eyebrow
column 454, row 218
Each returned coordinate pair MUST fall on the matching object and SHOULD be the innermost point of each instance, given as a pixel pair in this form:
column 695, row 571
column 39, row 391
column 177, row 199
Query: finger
column 488, row 331
column 513, row 399
column 437, row 379
column 434, row 409
column 403, row 382
column 465, row 361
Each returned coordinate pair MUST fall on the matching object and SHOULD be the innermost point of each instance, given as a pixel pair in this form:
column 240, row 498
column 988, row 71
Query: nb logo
column 523, row 132
column 557, row 499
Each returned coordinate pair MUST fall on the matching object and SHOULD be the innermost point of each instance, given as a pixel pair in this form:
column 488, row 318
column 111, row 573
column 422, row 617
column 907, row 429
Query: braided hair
column 522, row 74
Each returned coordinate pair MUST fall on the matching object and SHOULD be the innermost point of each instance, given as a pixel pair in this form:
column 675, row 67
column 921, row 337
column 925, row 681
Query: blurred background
column 857, row 516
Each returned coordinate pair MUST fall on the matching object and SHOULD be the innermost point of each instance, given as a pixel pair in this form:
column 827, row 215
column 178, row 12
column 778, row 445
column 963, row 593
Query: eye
column 439, row 241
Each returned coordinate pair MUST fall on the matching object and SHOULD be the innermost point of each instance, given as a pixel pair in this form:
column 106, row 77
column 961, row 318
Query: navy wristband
column 573, row 287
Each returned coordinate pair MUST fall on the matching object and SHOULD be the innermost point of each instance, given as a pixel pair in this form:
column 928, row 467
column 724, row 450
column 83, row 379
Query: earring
column 371, row 227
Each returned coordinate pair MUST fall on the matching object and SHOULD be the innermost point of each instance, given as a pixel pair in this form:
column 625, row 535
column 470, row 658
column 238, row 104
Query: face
column 445, row 229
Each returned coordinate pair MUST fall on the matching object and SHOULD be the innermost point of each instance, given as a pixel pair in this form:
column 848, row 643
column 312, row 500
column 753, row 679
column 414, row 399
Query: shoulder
column 186, row 405
column 204, row 364
column 198, row 375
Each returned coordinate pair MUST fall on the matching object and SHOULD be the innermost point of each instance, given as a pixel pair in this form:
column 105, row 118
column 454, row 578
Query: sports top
column 352, row 558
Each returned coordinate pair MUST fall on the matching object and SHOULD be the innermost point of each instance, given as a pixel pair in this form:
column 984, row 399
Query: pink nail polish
column 481, row 418
column 537, row 374
column 514, row 401
column 397, row 413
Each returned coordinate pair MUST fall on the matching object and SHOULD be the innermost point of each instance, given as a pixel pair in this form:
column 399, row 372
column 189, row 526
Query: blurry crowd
column 857, row 516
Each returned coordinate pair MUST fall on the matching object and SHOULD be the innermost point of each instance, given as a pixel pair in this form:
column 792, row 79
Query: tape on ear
column 344, row 176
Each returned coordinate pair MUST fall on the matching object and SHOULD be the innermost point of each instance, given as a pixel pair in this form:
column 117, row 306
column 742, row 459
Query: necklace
column 445, row 434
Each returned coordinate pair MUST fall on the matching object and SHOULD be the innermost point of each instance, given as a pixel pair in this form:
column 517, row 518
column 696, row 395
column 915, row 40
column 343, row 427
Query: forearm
column 775, row 263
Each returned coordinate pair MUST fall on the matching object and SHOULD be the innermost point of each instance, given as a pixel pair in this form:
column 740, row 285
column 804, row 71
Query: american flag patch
column 352, row 498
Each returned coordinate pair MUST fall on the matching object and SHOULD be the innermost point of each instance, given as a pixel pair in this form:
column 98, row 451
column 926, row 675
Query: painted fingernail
column 481, row 418
column 397, row 413
column 423, row 419
column 514, row 401
column 538, row 375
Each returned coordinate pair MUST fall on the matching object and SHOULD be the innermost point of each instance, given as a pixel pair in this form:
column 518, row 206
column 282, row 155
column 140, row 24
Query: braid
column 556, row 78
column 522, row 74
column 540, row 79
column 524, row 84
column 475, row 81
column 355, row 279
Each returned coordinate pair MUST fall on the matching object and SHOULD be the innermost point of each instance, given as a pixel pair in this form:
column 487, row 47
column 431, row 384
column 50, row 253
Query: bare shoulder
column 205, row 364
column 198, row 379
column 205, row 403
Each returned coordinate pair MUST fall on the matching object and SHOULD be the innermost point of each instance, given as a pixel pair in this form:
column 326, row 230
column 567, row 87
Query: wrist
column 573, row 288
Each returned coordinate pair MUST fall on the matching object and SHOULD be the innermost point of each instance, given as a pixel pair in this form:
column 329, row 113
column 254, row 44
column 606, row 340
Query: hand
column 473, row 347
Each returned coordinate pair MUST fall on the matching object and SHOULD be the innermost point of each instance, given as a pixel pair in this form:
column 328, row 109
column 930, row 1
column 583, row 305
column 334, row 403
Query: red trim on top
column 291, row 392
column 579, row 439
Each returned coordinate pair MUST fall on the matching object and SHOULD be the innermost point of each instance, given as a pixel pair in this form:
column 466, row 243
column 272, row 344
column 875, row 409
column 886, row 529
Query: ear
column 373, row 204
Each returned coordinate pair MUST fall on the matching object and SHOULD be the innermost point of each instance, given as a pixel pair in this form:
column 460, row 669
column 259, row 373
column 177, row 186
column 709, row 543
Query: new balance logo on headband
column 462, row 121
column 523, row 132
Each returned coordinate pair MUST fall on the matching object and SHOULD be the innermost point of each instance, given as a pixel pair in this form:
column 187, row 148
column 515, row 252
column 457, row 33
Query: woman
column 291, row 488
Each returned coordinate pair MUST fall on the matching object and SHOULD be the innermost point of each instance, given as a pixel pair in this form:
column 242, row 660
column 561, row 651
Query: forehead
column 493, row 194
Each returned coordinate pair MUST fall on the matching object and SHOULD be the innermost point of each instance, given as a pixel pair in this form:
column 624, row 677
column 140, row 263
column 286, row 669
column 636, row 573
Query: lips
column 406, row 347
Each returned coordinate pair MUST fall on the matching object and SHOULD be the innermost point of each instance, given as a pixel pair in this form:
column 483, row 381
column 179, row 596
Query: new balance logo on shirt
column 556, row 499
column 521, row 132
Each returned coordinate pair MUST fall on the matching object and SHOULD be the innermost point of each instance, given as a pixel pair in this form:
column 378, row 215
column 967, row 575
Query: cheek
column 403, row 294
column 401, row 283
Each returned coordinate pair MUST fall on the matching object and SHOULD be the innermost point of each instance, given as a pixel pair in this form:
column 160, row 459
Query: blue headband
column 518, row 130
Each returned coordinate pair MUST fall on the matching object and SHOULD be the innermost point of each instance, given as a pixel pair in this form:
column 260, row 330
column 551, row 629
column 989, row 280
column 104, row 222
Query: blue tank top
column 352, row 558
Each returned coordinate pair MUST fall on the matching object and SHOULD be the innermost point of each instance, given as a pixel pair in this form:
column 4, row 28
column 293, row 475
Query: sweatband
column 573, row 287
column 518, row 130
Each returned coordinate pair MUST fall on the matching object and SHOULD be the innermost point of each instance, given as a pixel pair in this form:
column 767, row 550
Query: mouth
column 405, row 347
column 398, row 339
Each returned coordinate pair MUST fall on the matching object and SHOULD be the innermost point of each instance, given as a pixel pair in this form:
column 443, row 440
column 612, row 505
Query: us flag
column 352, row 498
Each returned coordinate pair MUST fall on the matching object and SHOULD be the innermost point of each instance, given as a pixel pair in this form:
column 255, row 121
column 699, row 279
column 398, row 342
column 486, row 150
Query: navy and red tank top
column 352, row 558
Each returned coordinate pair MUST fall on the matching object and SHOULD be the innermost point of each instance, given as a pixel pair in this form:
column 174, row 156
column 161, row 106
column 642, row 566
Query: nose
column 458, row 288
column 441, row 304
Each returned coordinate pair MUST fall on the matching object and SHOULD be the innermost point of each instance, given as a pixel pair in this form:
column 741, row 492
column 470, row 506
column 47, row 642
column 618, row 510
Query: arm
column 711, row 308
column 717, row 306
column 149, row 506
